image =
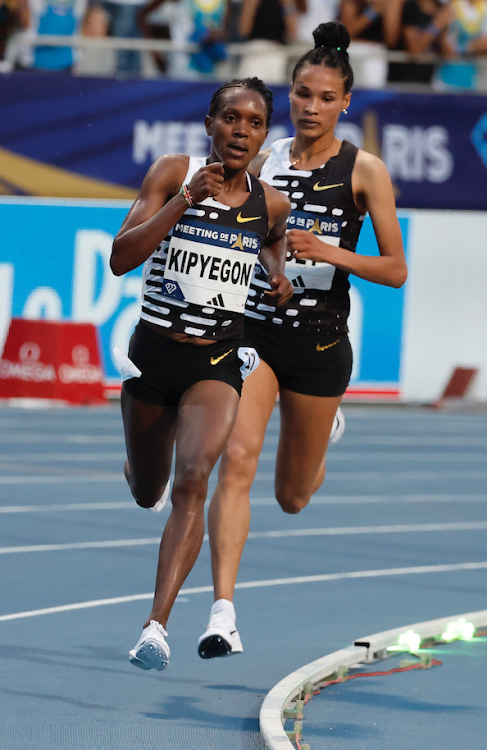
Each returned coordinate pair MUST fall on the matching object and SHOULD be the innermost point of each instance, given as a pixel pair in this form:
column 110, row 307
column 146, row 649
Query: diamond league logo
column 172, row 289
column 479, row 138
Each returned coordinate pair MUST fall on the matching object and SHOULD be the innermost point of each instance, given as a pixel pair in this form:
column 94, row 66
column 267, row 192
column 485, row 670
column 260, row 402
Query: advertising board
column 92, row 137
column 54, row 265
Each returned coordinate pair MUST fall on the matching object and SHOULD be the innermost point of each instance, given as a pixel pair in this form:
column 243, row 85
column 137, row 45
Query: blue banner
column 81, row 137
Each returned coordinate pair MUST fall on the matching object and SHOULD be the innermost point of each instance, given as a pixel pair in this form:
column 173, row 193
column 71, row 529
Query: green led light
column 460, row 629
column 409, row 641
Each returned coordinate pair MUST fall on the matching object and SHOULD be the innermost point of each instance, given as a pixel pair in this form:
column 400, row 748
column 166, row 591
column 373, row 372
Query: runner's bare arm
column 373, row 192
column 273, row 254
column 158, row 207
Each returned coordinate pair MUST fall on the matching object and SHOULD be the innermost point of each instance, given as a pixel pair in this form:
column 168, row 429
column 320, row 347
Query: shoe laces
column 159, row 627
column 221, row 619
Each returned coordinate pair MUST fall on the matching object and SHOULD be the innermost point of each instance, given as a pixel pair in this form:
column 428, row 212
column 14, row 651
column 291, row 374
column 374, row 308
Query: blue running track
column 386, row 542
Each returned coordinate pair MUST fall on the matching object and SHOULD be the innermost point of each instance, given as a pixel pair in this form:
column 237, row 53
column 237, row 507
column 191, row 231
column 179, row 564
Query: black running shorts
column 169, row 367
column 309, row 363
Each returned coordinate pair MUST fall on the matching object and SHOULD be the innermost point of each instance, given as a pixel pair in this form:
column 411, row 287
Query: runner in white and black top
column 322, row 203
column 304, row 348
column 209, row 222
column 197, row 280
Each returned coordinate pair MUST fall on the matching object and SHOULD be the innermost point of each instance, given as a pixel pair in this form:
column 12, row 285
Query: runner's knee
column 191, row 485
column 292, row 502
column 238, row 465
column 146, row 494
column 147, row 497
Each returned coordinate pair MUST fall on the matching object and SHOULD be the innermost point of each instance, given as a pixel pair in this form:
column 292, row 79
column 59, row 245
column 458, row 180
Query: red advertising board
column 52, row 360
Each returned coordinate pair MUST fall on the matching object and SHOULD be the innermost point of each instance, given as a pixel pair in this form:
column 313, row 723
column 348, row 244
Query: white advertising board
column 445, row 321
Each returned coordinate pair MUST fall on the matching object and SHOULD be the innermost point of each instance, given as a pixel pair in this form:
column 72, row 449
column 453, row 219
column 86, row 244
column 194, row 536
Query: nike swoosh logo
column 244, row 219
column 319, row 187
column 215, row 360
column 327, row 346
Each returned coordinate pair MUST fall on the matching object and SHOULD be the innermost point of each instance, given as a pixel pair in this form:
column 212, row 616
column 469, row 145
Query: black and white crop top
column 321, row 202
column 197, row 280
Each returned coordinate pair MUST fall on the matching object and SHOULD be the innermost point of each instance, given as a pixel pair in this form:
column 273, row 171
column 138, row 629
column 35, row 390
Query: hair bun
column 333, row 35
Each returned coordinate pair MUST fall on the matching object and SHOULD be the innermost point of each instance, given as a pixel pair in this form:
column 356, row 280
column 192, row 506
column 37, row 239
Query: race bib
column 250, row 360
column 210, row 265
column 310, row 274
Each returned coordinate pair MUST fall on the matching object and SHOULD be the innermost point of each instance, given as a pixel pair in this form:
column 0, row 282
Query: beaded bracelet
column 187, row 196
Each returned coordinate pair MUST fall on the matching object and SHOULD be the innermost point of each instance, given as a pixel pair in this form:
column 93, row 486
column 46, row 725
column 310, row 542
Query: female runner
column 183, row 374
column 304, row 348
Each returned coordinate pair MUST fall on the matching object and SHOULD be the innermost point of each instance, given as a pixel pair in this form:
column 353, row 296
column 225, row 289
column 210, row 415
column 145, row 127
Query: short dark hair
column 330, row 50
column 249, row 84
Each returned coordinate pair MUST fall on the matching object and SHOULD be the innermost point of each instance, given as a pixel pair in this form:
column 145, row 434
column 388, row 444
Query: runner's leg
column 206, row 416
column 229, row 513
column 149, row 436
column 306, row 422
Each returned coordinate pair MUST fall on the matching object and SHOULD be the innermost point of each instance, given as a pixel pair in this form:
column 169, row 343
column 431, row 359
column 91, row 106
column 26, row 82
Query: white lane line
column 439, row 440
column 47, row 437
column 419, row 569
column 264, row 501
column 60, row 457
column 65, row 479
column 263, row 476
column 402, row 476
column 106, row 544
column 386, row 499
column 277, row 534
column 390, row 456
column 350, row 530
column 376, row 476
column 264, row 456
column 66, row 507
column 399, row 475
column 457, row 441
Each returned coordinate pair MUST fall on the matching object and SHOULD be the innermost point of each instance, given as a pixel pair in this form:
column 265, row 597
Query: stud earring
column 345, row 111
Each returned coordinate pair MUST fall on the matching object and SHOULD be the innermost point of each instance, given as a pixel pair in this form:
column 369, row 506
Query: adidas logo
column 217, row 301
column 298, row 281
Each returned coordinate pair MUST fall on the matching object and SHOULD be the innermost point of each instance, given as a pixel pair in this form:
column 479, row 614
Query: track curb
column 364, row 650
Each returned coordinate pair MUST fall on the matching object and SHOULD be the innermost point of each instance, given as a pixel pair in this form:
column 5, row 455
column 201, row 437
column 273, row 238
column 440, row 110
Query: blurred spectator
column 424, row 23
column 199, row 21
column 232, row 20
column 374, row 26
column 156, row 20
column 96, row 61
column 424, row 26
column 14, row 16
column 373, row 21
column 58, row 17
column 468, row 30
column 208, row 18
column 267, row 25
column 311, row 13
column 467, row 35
column 124, row 22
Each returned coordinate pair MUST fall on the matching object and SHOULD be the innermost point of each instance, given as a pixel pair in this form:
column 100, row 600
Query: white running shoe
column 162, row 500
column 151, row 650
column 338, row 427
column 221, row 637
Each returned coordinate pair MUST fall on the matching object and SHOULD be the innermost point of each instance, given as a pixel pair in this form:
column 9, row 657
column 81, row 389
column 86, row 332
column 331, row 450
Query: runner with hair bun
column 304, row 348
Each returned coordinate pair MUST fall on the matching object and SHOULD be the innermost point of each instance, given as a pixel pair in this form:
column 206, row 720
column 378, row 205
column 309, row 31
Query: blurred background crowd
column 438, row 43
